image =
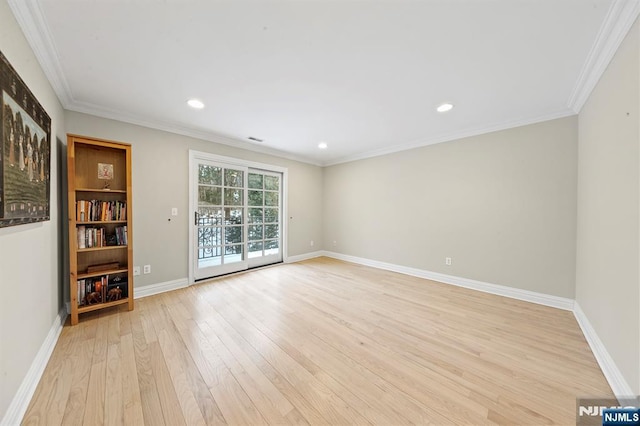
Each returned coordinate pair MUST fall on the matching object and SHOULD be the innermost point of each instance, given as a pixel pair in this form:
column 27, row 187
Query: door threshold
column 238, row 272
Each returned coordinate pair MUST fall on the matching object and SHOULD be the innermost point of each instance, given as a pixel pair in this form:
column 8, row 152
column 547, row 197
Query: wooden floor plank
column 188, row 351
column 76, row 404
column 381, row 396
column 319, row 342
column 190, row 409
column 95, row 402
column 303, row 412
column 114, row 401
column 403, row 374
column 49, row 401
column 265, row 395
column 321, row 397
column 167, row 393
column 235, row 404
column 416, row 412
column 149, row 398
column 133, row 414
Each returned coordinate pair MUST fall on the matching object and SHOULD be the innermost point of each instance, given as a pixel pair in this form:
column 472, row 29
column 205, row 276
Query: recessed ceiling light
column 195, row 103
column 322, row 145
column 444, row 107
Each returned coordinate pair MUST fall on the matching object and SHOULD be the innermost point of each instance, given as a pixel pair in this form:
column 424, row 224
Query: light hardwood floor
column 319, row 342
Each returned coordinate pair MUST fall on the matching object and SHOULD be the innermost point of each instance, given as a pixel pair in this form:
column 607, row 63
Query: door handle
column 196, row 218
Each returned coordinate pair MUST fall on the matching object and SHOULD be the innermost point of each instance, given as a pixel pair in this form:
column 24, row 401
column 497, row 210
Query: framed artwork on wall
column 25, row 153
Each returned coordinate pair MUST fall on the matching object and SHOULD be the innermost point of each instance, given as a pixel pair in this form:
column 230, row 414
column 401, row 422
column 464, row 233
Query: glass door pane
column 219, row 219
column 264, row 217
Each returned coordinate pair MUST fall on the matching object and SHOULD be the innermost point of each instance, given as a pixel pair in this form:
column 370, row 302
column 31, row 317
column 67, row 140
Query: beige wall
column 607, row 272
column 29, row 254
column 161, row 181
column 501, row 205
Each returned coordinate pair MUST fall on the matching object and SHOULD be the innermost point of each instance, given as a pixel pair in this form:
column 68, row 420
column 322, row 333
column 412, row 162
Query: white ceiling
column 363, row 76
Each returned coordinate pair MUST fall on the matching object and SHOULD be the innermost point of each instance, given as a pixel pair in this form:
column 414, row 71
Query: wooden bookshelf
column 99, row 185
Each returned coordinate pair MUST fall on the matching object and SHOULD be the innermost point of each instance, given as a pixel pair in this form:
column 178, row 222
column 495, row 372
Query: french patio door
column 264, row 218
column 237, row 217
column 219, row 219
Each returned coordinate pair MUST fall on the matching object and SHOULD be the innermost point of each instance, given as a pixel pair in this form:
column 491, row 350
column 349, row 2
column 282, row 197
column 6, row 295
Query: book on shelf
column 82, row 236
column 92, row 291
column 89, row 237
column 80, row 211
column 82, row 292
column 97, row 210
column 102, row 289
column 121, row 235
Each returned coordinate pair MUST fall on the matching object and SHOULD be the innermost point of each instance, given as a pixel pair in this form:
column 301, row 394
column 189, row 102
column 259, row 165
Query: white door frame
column 194, row 156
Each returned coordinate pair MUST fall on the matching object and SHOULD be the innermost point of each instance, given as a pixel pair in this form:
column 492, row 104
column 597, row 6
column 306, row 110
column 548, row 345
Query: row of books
column 96, row 210
column 89, row 237
column 101, row 289
column 121, row 235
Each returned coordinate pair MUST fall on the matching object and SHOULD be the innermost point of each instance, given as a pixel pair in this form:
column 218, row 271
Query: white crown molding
column 620, row 17
column 153, row 289
column 500, row 290
column 27, row 388
column 99, row 111
column 616, row 380
column 31, row 19
column 465, row 133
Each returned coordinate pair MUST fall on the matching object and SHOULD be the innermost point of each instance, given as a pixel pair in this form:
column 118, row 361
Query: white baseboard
column 150, row 290
column 305, row 256
column 500, row 290
column 616, row 380
column 25, row 392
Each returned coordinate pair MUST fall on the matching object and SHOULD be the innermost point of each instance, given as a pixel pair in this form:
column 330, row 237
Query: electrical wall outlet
column 147, row 269
column 335, row 243
column 136, row 271
column 174, row 211
column 311, row 243
column 447, row 261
